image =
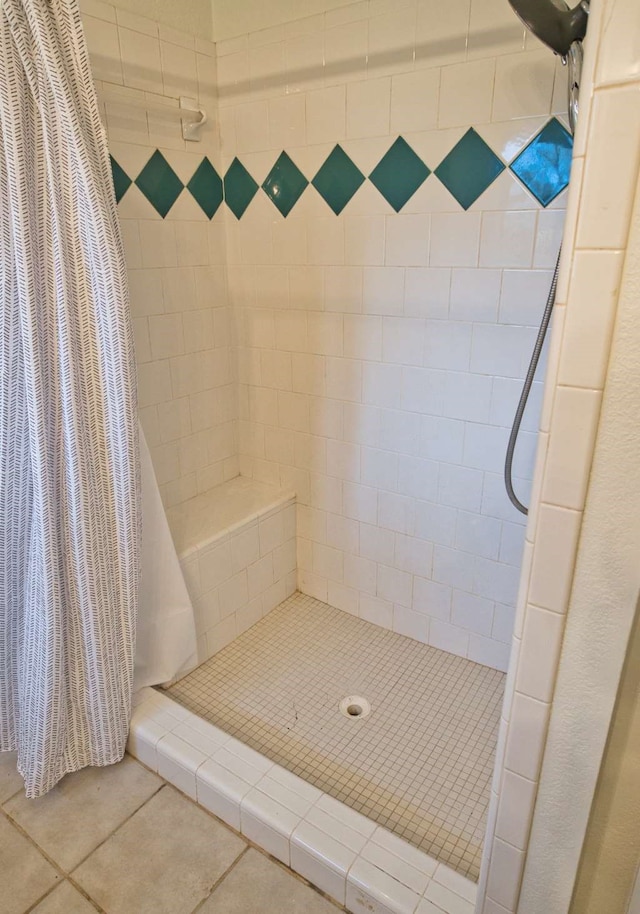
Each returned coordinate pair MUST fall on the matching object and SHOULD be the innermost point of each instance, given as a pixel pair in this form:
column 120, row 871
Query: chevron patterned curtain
column 69, row 489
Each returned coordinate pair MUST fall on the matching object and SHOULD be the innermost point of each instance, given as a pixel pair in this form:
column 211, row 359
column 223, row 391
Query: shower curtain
column 69, row 484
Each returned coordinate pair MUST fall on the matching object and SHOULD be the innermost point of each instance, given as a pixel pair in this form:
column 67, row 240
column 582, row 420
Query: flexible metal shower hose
column 526, row 390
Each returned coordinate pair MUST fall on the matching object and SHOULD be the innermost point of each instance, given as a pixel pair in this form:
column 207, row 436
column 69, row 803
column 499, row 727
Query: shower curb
column 357, row 863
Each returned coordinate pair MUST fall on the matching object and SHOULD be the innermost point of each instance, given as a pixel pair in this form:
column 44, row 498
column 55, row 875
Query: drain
column 355, row 707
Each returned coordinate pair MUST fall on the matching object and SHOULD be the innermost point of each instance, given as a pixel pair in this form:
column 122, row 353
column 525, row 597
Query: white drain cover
column 355, row 707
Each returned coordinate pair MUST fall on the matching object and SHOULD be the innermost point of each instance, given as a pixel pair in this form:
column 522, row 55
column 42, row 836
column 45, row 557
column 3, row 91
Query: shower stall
column 337, row 283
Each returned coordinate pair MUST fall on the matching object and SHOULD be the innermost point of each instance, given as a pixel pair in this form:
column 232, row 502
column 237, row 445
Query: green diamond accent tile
column 469, row 169
column 338, row 180
column 239, row 188
column 285, row 184
column 206, row 188
column 399, row 174
column 544, row 166
column 121, row 180
column 159, row 183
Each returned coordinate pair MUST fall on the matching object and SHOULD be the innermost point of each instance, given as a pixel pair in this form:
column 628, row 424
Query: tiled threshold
column 357, row 863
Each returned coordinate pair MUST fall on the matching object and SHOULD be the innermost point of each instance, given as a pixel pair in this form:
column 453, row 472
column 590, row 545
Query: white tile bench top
column 202, row 519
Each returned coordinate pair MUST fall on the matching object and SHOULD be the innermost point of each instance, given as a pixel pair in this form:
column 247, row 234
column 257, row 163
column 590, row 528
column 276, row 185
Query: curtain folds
column 69, row 481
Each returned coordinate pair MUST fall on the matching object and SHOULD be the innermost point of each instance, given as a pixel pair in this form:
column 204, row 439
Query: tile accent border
column 468, row 169
column 350, row 858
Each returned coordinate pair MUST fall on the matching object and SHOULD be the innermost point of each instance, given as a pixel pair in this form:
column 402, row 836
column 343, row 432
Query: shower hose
column 526, row 390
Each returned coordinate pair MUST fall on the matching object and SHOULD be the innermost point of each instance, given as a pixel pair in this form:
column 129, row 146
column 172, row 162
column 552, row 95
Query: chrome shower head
column 556, row 26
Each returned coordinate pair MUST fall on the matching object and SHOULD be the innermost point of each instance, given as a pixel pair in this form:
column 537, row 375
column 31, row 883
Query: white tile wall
column 411, row 331
column 239, row 565
column 183, row 321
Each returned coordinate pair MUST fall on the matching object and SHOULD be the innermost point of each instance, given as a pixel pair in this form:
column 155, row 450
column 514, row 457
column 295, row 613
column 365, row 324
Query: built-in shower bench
column 237, row 548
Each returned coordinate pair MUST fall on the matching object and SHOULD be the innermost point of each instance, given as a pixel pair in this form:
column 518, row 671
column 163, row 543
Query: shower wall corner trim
column 275, row 809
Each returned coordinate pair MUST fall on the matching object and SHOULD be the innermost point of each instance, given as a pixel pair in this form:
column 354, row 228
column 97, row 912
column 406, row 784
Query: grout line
column 219, row 881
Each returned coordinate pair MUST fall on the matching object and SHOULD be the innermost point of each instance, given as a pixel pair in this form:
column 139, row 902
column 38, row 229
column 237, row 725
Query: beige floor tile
column 164, row 860
column 64, row 899
column 83, row 809
column 24, row 873
column 10, row 780
column 257, row 885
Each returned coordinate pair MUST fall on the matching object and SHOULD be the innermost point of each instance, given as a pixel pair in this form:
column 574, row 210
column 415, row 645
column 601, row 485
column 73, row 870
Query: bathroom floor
column 419, row 764
column 119, row 840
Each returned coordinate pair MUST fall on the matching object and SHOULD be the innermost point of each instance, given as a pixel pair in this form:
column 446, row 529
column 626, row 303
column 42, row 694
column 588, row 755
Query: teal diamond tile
column 399, row 174
column 206, row 188
column 469, row 169
column 338, row 180
column 544, row 166
column 121, row 180
column 159, row 183
column 285, row 184
column 239, row 188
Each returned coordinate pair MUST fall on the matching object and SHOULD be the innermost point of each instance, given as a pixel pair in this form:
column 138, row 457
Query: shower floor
column 420, row 764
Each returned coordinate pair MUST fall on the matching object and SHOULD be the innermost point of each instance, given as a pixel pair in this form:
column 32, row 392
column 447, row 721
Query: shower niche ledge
column 237, row 549
column 359, row 864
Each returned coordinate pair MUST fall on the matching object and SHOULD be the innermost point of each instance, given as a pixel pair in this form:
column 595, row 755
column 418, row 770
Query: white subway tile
column 448, row 637
column 455, row 239
column 573, row 430
column 431, row 599
column 507, row 239
column 426, row 292
column 368, row 108
column 591, row 310
column 554, row 556
column 475, row 294
column 526, row 736
column 524, row 85
column 407, row 240
column 466, row 92
column 368, row 888
column 541, row 641
column 613, row 143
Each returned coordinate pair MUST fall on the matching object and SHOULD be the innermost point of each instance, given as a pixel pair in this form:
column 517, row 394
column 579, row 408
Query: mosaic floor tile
column 420, row 764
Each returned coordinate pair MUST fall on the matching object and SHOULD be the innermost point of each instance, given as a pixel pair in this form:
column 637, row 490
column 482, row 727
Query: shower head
column 557, row 26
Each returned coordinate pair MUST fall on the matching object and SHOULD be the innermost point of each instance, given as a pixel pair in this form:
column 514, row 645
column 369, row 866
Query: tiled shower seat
column 237, row 549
